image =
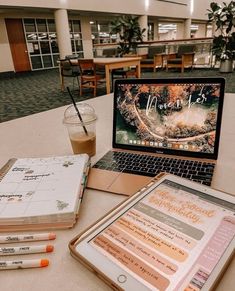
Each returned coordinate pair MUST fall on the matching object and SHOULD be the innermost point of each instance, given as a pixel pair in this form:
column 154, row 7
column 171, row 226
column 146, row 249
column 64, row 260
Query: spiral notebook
column 42, row 193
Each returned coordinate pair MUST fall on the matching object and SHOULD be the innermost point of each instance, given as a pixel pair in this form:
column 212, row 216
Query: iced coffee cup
column 81, row 127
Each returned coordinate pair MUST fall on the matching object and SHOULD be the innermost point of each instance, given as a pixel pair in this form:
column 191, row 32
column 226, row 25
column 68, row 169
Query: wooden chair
column 154, row 58
column 69, row 70
column 89, row 77
column 182, row 59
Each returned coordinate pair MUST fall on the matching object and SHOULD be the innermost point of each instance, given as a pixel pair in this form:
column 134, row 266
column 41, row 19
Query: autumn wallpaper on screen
column 178, row 116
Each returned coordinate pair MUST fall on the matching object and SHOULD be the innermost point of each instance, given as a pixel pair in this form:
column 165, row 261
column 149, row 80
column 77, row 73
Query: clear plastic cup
column 82, row 132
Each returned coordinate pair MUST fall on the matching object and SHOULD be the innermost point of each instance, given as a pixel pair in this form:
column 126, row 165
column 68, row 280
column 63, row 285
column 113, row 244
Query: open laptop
column 161, row 125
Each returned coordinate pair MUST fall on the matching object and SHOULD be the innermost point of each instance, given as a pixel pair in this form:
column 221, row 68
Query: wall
column 86, row 37
column 139, row 7
column 201, row 6
column 6, row 64
column 201, row 32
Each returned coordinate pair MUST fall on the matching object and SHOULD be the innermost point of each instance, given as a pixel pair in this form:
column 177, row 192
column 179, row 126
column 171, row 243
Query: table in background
column 110, row 64
column 42, row 135
column 117, row 63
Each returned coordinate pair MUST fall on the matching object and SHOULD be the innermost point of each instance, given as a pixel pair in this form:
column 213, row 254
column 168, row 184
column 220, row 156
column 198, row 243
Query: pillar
column 201, row 32
column 210, row 31
column 187, row 28
column 156, row 33
column 180, row 31
column 215, row 31
column 63, row 34
column 86, row 37
column 143, row 22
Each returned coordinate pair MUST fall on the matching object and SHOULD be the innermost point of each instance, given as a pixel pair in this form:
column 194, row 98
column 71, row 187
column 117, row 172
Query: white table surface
column 42, row 135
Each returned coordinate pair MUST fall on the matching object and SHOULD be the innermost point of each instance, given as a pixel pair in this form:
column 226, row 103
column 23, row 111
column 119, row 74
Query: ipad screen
column 171, row 239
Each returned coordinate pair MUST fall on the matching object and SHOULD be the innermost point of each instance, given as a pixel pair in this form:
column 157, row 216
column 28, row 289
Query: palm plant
column 130, row 33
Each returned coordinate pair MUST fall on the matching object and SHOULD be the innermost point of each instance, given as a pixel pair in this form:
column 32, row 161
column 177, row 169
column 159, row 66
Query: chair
column 125, row 72
column 182, row 59
column 72, row 57
column 89, row 77
column 154, row 58
column 109, row 52
column 68, row 69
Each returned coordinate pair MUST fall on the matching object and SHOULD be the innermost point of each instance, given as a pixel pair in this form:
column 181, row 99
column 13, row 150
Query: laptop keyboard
column 147, row 165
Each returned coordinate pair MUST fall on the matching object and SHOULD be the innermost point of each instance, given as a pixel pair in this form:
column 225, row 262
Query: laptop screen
column 172, row 116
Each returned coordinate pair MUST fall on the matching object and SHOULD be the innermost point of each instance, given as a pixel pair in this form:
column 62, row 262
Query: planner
column 42, row 193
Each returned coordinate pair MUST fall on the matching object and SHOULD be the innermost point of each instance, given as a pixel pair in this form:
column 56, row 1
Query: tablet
column 172, row 235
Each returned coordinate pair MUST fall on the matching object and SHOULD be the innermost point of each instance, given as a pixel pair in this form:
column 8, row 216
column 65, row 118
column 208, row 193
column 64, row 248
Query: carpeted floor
column 32, row 92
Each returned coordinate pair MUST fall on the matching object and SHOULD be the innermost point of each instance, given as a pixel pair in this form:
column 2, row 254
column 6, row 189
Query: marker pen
column 27, row 237
column 6, row 251
column 23, row 264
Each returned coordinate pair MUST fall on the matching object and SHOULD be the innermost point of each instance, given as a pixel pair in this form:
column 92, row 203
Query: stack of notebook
column 42, row 193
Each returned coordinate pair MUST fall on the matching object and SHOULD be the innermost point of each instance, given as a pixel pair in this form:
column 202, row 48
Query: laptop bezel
column 183, row 80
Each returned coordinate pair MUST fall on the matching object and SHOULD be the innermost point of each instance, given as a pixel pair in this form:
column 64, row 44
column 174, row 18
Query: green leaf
column 214, row 6
column 129, row 32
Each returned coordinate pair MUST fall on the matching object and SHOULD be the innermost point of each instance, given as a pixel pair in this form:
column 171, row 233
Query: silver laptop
column 161, row 125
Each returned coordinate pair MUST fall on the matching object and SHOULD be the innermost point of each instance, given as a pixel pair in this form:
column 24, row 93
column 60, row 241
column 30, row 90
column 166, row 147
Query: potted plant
column 223, row 46
column 129, row 32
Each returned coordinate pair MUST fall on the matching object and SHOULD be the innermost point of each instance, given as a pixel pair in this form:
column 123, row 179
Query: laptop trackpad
column 116, row 182
column 101, row 179
column 128, row 184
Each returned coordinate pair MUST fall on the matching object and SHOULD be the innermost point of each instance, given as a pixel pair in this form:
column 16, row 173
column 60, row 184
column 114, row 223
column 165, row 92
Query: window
column 101, row 32
column 76, row 37
column 41, row 41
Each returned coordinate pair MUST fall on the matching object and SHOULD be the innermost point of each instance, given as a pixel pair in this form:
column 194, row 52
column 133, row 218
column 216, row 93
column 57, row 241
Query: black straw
column 78, row 113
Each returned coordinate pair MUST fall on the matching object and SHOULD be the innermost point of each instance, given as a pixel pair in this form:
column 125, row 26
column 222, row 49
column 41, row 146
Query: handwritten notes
column 35, row 190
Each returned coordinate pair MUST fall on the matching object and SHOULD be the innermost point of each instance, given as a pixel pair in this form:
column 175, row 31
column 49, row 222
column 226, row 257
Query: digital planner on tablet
column 176, row 235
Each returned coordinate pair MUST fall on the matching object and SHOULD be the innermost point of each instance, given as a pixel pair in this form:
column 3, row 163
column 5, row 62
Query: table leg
column 138, row 70
column 107, row 77
column 62, row 83
column 61, row 79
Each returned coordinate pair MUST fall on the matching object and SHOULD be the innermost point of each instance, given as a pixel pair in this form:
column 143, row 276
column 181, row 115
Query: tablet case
column 81, row 236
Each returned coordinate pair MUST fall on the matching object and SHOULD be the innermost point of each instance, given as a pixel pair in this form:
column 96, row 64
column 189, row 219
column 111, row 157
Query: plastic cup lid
column 86, row 111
